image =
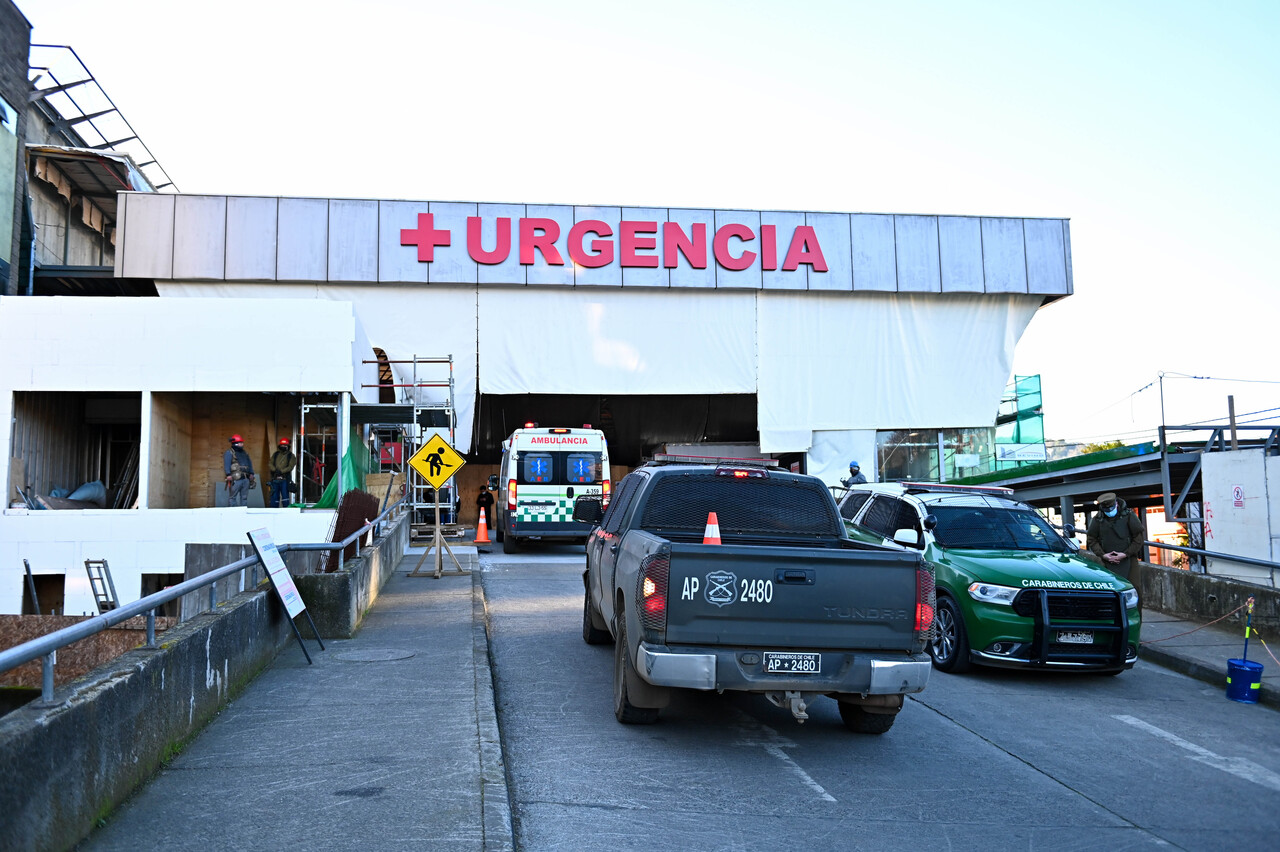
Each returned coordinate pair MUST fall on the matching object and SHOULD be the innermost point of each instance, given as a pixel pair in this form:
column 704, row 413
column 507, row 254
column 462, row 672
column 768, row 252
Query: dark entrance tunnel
column 634, row 425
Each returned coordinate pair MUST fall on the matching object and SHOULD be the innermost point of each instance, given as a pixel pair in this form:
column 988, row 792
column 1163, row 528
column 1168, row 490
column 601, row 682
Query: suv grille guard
column 1046, row 651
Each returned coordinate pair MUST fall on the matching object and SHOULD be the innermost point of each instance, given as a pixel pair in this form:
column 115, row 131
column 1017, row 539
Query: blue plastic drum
column 1244, row 680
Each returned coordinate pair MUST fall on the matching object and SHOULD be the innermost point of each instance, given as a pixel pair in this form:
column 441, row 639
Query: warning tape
column 1201, row 627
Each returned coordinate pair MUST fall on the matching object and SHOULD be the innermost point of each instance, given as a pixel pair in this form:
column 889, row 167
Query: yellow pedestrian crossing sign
column 436, row 461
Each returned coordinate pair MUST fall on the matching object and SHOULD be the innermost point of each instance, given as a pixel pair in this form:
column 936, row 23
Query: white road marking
column 756, row 734
column 1238, row 766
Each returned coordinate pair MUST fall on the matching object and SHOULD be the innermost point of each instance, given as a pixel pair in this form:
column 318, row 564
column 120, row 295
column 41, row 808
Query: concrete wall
column 338, row 602
column 133, row 542
column 1204, row 597
column 67, row 764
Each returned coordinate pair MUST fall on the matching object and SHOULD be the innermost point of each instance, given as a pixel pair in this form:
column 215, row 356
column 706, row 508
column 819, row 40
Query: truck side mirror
column 930, row 522
column 588, row 509
column 493, row 482
column 1069, row 530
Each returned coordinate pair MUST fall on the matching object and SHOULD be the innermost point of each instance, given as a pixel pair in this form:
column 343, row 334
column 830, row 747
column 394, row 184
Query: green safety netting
column 357, row 462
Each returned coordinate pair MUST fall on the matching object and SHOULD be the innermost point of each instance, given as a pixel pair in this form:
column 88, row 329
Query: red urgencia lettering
column 592, row 243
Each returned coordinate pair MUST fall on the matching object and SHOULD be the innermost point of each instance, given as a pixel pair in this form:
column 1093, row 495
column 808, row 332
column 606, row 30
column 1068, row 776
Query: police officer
column 1115, row 536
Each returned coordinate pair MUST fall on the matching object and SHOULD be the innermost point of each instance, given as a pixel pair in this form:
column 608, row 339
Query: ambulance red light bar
column 530, row 424
column 997, row 490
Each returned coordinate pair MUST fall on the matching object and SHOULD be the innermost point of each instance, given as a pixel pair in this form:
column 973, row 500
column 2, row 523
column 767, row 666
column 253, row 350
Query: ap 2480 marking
column 722, row 589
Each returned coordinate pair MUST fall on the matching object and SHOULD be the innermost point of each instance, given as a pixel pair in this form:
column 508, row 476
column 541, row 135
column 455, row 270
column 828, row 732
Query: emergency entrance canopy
column 836, row 321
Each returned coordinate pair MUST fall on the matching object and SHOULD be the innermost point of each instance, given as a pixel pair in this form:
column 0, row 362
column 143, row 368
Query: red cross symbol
column 426, row 237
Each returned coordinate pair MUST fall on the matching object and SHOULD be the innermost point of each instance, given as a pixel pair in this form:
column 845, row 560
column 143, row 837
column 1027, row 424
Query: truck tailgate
column 791, row 597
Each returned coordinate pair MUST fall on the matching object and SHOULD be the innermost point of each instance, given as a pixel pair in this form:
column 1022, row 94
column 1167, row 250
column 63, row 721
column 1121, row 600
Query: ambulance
column 544, row 469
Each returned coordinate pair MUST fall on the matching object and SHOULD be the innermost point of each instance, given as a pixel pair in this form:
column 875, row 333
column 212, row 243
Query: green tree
column 1099, row 447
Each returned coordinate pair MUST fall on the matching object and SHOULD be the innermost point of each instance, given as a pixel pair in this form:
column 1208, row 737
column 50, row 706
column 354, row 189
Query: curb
column 495, row 798
column 1200, row 671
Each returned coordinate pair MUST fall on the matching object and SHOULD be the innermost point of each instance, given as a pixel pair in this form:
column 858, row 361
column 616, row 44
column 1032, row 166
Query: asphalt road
column 987, row 760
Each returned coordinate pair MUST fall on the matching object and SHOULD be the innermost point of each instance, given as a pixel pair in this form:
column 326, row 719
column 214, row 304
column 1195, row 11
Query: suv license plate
column 1075, row 637
column 780, row 663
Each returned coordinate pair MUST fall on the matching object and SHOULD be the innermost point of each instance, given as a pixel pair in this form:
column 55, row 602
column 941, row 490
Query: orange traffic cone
column 712, row 535
column 482, row 531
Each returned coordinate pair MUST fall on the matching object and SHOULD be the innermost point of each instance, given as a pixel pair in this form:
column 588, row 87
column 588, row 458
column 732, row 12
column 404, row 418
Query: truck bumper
column 741, row 669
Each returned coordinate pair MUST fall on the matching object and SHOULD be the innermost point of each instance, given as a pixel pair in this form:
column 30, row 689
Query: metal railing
column 1244, row 560
column 47, row 646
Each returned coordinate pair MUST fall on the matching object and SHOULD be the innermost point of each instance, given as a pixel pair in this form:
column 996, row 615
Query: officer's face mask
column 1110, row 511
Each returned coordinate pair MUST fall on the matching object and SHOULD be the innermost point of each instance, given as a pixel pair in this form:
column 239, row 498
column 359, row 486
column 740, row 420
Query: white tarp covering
column 404, row 320
column 545, row 340
column 882, row 361
column 829, row 457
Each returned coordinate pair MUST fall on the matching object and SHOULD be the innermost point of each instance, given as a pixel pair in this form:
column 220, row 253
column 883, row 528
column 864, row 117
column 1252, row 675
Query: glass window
column 881, row 515
column 535, row 468
column 995, row 528
column 582, row 468
column 612, row 519
column 855, row 501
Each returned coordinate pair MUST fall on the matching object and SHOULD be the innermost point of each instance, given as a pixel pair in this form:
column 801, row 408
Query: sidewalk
column 389, row 741
column 1202, row 652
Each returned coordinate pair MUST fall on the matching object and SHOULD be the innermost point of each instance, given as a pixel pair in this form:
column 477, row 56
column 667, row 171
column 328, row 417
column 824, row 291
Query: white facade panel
column 251, row 239
column 494, row 235
column 835, row 239
column 1046, row 256
column 541, row 271
column 1004, row 259
column 200, row 236
column 1236, row 511
column 149, row 230
column 683, row 274
column 397, row 262
column 744, row 249
column 303, row 240
column 784, row 225
column 875, row 265
column 611, row 274
column 643, row 276
column 353, row 240
column 960, row 254
column 611, row 341
column 916, row 241
column 453, row 264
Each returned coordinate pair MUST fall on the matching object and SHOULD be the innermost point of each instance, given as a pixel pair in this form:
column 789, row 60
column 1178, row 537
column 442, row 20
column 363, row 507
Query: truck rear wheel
column 623, row 669
column 863, row 721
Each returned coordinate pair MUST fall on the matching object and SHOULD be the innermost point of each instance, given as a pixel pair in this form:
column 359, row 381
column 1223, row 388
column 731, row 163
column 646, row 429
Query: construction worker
column 283, row 461
column 238, row 468
column 855, row 477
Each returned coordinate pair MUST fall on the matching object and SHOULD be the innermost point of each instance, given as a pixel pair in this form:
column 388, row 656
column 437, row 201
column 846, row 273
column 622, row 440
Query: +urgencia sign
column 592, row 244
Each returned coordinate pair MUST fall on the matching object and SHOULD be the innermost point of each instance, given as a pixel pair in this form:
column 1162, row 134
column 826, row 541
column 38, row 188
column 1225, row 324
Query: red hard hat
column 236, row 439
column 284, row 442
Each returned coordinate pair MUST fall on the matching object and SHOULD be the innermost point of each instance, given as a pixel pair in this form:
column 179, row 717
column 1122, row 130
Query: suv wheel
column 950, row 648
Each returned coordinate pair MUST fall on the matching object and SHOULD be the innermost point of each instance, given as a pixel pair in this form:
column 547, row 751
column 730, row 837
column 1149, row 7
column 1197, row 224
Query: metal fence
column 1199, row 569
column 47, row 646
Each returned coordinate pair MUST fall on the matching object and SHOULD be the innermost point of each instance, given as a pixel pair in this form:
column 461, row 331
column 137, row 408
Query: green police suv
column 1012, row 592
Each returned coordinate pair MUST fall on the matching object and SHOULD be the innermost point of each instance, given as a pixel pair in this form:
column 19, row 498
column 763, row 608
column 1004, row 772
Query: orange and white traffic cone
column 482, row 531
column 712, row 535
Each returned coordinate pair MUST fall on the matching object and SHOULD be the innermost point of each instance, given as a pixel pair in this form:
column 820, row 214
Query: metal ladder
column 104, row 588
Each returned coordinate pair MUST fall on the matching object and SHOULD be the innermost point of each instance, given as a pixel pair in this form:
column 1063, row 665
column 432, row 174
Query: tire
column 861, row 721
column 590, row 633
column 950, row 646
column 510, row 545
column 626, row 712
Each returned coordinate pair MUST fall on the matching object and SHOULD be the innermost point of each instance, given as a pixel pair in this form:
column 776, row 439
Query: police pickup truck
column 733, row 577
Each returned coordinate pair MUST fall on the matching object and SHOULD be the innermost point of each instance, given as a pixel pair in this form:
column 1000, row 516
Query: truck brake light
column 655, row 573
column 511, row 495
column 926, row 599
column 605, row 494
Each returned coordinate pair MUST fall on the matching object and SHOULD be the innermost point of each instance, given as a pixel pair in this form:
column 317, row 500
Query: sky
column 1152, row 126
